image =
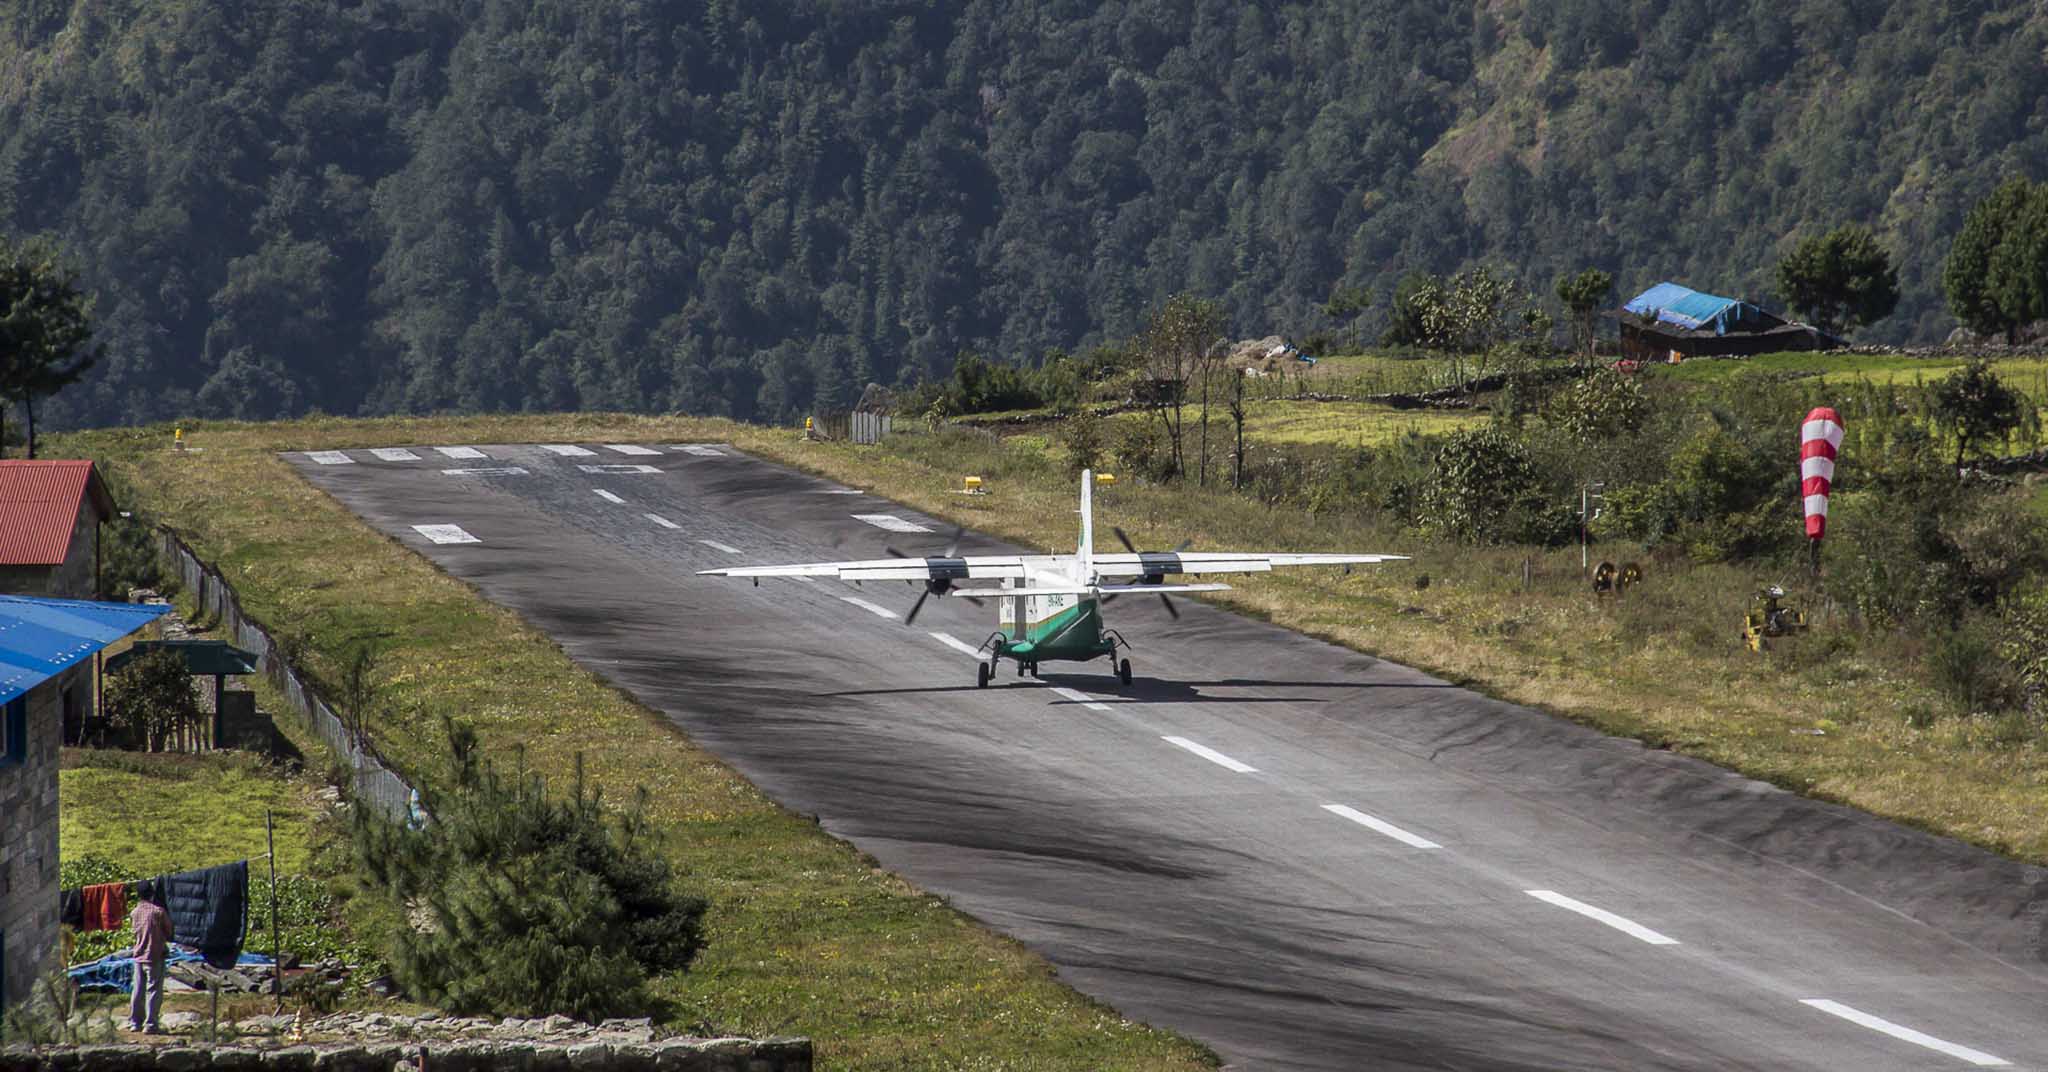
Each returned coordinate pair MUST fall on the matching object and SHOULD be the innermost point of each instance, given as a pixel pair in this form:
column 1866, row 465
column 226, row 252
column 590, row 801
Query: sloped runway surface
column 1304, row 857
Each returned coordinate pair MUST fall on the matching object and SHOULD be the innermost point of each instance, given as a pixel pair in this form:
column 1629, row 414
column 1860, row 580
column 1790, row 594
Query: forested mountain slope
column 729, row 206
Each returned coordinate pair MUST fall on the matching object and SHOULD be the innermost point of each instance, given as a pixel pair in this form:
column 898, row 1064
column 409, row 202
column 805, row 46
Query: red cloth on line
column 106, row 906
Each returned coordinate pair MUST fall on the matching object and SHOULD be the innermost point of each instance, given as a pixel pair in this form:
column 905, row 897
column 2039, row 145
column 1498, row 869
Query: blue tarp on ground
column 1692, row 310
column 116, row 971
column 41, row 638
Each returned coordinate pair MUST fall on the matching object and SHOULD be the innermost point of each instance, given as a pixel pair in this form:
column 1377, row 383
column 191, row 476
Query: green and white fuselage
column 1049, row 607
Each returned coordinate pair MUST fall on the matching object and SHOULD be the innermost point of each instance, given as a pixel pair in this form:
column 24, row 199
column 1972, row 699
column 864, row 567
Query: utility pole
column 1591, row 500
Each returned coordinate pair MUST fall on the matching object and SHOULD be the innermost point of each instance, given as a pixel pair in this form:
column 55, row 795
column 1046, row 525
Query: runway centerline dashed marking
column 1382, row 826
column 716, row 546
column 465, row 453
column 890, row 523
column 628, row 448
column 1082, row 698
column 1905, row 1034
column 662, row 521
column 445, row 534
column 957, row 644
column 619, row 467
column 394, row 454
column 487, row 470
column 330, row 457
column 1211, row 755
column 568, row 450
column 608, row 496
column 1621, row 923
column 880, row 612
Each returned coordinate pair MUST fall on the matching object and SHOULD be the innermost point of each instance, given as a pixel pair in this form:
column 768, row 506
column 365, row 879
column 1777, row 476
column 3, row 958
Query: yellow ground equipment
column 1769, row 618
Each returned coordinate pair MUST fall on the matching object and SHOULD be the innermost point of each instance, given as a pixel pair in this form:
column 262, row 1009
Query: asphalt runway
column 1304, row 857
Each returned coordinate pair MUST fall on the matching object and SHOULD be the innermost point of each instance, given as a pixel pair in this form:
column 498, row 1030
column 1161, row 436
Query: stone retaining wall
column 673, row 1055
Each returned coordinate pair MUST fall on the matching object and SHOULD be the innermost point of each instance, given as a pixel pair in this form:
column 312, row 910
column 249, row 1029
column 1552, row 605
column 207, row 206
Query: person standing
column 152, row 944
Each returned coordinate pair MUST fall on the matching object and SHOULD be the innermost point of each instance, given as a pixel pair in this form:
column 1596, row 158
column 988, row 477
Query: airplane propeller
column 937, row 586
column 1150, row 578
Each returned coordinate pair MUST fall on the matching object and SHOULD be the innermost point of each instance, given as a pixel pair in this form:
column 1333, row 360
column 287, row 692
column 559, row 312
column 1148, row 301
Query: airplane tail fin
column 1085, row 555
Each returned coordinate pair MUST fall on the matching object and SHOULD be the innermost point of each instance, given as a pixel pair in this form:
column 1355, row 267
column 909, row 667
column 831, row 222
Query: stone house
column 50, row 518
column 47, row 651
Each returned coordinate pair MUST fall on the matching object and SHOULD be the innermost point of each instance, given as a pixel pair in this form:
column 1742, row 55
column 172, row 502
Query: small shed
column 216, row 659
column 1671, row 322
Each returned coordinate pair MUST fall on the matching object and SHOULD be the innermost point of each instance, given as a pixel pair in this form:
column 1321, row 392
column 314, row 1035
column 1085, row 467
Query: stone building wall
column 28, row 838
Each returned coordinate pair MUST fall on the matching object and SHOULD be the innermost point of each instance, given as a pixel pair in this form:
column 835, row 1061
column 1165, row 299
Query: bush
column 149, row 702
column 1484, row 488
column 537, row 905
column 1963, row 662
column 1603, row 406
column 1142, row 450
column 1085, row 438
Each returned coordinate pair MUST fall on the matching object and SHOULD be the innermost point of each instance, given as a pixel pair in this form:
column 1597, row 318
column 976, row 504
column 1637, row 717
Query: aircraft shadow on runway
column 1104, row 689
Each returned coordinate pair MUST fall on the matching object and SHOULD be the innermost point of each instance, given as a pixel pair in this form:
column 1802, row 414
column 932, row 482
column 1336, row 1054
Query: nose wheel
column 981, row 673
column 1123, row 671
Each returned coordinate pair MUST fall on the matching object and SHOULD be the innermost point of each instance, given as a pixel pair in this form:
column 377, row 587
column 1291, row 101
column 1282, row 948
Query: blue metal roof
column 41, row 638
column 1692, row 310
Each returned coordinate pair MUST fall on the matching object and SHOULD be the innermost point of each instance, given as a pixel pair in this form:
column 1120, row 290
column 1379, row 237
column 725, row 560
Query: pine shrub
column 521, row 903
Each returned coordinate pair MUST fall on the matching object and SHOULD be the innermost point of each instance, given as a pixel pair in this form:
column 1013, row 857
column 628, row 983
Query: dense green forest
column 735, row 207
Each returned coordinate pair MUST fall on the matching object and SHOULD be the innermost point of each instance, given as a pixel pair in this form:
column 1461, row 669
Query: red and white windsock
column 1819, row 438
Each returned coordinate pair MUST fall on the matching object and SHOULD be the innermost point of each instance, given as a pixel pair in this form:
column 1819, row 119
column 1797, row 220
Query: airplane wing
column 1160, row 563
column 978, row 567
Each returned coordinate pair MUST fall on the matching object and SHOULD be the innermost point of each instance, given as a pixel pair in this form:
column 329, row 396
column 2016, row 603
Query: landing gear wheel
column 1123, row 671
column 981, row 675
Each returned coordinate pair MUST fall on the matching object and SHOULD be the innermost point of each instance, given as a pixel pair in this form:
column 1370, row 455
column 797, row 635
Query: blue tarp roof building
column 1686, row 308
column 41, row 638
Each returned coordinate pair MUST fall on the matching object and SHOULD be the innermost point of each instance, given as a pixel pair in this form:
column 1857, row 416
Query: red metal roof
column 39, row 506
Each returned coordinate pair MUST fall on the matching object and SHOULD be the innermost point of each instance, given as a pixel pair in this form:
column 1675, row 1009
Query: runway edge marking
column 879, row 612
column 716, row 546
column 957, row 644
column 1082, row 698
column 608, row 496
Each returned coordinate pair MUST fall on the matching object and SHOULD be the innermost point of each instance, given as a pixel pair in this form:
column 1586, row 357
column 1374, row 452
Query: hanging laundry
column 71, row 908
column 209, row 910
column 106, row 906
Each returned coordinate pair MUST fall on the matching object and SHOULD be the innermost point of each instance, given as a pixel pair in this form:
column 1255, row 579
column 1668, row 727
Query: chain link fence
column 372, row 783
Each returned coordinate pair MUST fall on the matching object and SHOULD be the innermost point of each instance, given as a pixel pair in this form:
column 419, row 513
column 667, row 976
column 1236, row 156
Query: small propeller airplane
column 1049, row 607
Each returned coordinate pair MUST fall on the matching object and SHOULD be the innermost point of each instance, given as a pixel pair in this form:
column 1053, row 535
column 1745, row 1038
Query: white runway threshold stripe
column 957, row 644
column 445, row 534
column 1082, row 698
column 662, row 521
column 567, row 450
column 628, row 448
column 487, row 470
column 1906, row 1034
column 465, row 453
column 394, row 454
column 607, row 496
column 1211, row 755
column 716, row 546
column 618, row 468
column 890, row 523
column 1621, row 923
column 330, row 457
column 879, row 612
column 701, row 450
column 1382, row 826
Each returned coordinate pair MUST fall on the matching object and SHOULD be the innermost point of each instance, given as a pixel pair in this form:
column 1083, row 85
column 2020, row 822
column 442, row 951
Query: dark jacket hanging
column 209, row 910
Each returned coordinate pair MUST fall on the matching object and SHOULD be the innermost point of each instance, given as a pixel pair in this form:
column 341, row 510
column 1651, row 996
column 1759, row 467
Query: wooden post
column 276, row 960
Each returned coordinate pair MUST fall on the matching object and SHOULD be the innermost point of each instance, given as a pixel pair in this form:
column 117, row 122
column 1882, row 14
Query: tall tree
column 1995, row 273
column 1583, row 294
column 1842, row 280
column 45, row 326
column 1179, row 342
